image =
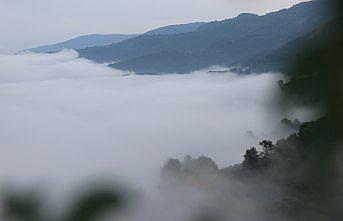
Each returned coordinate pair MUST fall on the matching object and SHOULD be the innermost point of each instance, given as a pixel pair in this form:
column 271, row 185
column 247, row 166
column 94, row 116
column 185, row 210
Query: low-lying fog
column 65, row 119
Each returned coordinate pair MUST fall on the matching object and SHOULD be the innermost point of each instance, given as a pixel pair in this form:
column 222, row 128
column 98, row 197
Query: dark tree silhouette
column 268, row 149
column 89, row 206
column 251, row 158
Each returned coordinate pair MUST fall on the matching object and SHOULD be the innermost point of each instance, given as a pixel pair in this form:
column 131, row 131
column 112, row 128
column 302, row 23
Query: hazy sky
column 29, row 23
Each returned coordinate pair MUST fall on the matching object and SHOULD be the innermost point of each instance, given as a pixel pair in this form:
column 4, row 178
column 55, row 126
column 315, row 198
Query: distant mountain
column 107, row 39
column 176, row 29
column 226, row 42
column 83, row 42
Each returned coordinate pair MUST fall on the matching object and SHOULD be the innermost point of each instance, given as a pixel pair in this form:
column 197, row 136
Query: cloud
column 65, row 120
column 37, row 67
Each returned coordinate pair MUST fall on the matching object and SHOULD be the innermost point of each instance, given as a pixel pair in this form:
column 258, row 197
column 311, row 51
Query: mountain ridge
column 83, row 41
column 96, row 40
column 175, row 29
column 222, row 43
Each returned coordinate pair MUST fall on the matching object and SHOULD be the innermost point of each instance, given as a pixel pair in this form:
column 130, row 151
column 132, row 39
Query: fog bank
column 65, row 119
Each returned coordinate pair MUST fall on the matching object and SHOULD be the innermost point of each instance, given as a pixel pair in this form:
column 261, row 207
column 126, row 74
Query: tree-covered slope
column 282, row 58
column 300, row 177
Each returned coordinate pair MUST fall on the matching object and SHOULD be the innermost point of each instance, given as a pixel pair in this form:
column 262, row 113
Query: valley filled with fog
column 68, row 121
column 65, row 119
column 236, row 117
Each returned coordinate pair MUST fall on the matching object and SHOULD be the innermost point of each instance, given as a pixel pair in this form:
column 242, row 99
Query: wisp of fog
column 66, row 119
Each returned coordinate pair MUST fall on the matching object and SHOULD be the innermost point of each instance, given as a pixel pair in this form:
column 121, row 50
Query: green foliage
column 22, row 207
column 89, row 206
column 94, row 204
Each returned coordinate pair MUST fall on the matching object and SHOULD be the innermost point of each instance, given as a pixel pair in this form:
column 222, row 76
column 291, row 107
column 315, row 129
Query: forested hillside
column 298, row 177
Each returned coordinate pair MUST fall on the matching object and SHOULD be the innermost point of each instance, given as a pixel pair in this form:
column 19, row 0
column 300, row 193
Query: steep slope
column 281, row 58
column 83, row 42
column 299, row 178
column 216, row 43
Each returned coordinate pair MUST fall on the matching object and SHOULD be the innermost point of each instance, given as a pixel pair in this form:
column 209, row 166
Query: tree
column 251, row 158
column 88, row 206
column 173, row 165
column 268, row 149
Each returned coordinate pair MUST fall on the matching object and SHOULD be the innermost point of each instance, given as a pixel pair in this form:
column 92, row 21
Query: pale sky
column 28, row 23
